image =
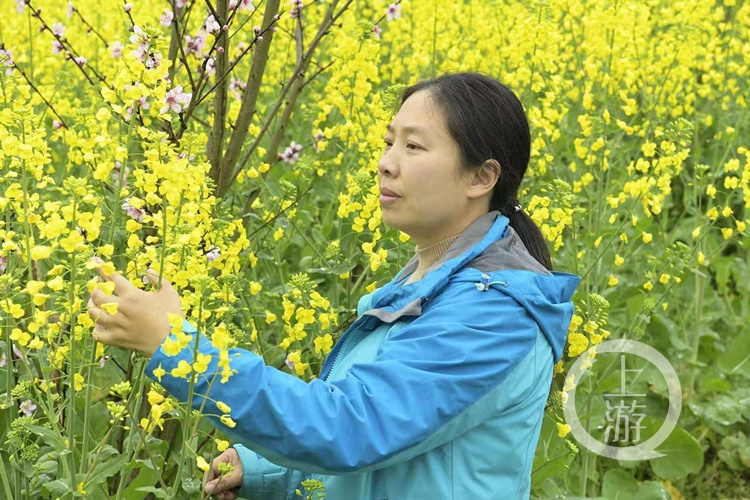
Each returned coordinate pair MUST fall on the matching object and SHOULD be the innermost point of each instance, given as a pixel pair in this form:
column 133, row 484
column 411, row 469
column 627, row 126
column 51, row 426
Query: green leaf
column 49, row 436
column 735, row 451
column 191, row 485
column 104, row 470
column 619, row 485
column 56, row 488
column 683, row 456
column 737, row 357
column 157, row 492
column 652, row 490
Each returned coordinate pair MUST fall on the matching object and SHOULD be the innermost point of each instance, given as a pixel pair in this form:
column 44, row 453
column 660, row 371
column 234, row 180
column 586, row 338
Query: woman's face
column 423, row 192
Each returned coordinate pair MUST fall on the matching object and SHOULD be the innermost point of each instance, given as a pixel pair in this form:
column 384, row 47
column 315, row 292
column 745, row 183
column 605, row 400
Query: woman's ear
column 484, row 179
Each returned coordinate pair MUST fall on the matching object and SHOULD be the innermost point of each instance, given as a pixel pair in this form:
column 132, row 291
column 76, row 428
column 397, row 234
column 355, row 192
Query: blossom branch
column 49, row 105
column 330, row 19
column 90, row 29
column 216, row 138
column 249, row 100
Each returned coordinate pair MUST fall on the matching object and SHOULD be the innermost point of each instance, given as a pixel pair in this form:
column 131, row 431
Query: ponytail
column 529, row 232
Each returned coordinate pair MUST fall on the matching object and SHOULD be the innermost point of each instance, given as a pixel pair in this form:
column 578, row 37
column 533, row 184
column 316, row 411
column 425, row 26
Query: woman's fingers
column 99, row 297
column 122, row 285
column 102, row 335
column 101, row 317
column 222, row 488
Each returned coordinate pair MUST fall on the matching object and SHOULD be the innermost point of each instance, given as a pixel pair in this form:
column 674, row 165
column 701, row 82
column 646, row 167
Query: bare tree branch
column 216, row 139
column 249, row 100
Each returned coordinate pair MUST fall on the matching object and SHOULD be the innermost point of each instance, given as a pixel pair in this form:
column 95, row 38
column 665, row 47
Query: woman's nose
column 386, row 164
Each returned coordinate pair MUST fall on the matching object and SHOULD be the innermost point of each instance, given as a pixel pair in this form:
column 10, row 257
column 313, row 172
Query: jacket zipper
column 341, row 346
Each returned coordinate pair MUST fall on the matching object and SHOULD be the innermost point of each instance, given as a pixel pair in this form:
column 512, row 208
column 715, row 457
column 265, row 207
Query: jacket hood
column 491, row 254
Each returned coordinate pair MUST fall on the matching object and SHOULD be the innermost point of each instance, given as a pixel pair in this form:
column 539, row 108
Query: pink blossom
column 6, row 59
column 377, row 31
column 139, row 36
column 27, row 407
column 153, row 60
column 70, row 10
column 118, row 173
column 318, row 137
column 195, row 45
column 175, row 100
column 20, row 4
column 134, row 213
column 291, row 153
column 103, row 361
column 393, row 12
column 237, row 87
column 128, row 7
column 58, row 30
column 56, row 124
column 80, row 60
column 296, row 6
column 213, row 254
column 210, row 66
column 181, row 3
column 211, row 25
column 116, row 50
column 289, row 363
column 57, row 47
column 142, row 104
column 167, row 17
column 246, row 5
column 143, row 49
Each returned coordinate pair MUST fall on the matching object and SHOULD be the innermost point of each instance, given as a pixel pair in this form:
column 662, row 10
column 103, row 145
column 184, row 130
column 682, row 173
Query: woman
column 438, row 389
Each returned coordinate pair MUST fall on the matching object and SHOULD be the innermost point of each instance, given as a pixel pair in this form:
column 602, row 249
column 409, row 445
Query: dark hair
column 488, row 122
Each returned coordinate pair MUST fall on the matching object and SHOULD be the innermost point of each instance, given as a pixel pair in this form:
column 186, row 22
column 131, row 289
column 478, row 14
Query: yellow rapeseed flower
column 183, row 369
column 201, row 463
column 563, row 429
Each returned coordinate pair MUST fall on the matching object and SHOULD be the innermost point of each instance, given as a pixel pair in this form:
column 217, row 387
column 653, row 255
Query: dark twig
column 23, row 73
column 90, row 28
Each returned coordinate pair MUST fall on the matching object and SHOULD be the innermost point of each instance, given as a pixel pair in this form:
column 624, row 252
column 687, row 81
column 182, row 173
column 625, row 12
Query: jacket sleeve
column 263, row 480
column 422, row 390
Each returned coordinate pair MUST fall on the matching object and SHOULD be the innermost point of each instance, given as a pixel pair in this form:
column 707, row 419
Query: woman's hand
column 141, row 322
column 223, row 488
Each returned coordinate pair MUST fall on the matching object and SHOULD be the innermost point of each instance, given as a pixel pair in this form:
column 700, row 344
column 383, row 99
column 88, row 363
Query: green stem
column 136, row 393
column 698, row 308
column 4, row 477
column 87, row 411
column 70, row 416
column 187, row 424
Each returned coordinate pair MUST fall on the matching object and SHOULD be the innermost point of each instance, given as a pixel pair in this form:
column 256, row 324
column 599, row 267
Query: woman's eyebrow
column 408, row 129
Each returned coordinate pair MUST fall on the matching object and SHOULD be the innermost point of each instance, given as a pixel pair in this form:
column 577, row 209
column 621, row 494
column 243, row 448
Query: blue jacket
column 437, row 391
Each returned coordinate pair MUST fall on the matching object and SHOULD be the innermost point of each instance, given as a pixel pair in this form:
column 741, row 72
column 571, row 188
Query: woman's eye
column 388, row 143
column 411, row 145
